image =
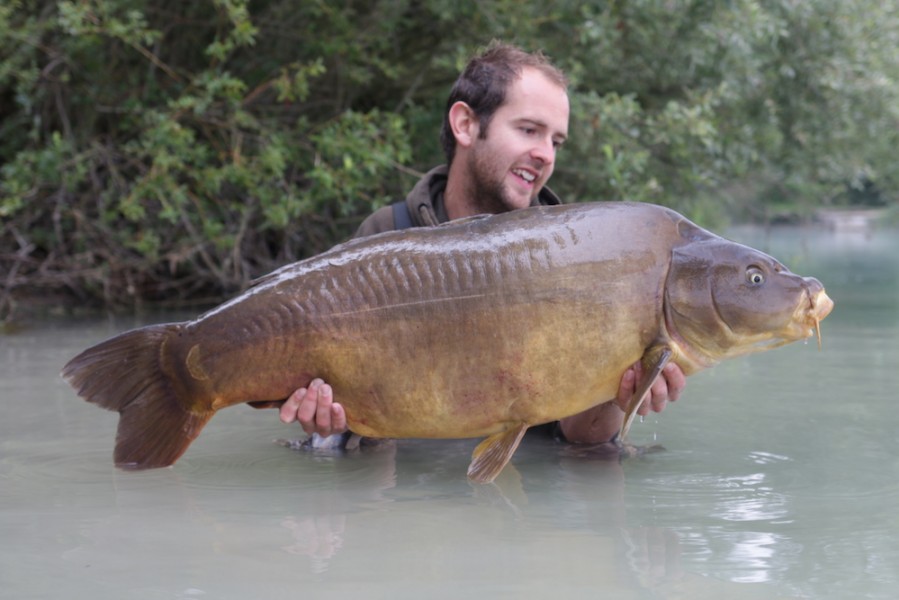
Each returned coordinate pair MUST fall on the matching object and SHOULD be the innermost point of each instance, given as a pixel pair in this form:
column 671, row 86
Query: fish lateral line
column 414, row 303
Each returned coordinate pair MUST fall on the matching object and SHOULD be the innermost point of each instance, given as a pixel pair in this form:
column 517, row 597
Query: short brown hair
column 483, row 83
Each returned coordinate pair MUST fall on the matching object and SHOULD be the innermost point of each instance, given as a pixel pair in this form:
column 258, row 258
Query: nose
column 544, row 151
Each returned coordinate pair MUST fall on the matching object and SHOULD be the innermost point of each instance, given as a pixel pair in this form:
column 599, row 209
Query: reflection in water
column 780, row 479
column 319, row 538
column 755, row 551
column 319, row 534
column 572, row 507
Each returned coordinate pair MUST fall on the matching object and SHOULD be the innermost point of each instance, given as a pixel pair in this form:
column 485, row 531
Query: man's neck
column 456, row 198
column 459, row 197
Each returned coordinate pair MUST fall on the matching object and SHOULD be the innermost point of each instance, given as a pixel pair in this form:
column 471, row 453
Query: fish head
column 723, row 299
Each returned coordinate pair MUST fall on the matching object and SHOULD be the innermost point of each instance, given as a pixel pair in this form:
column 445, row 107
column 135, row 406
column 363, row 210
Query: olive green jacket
column 426, row 206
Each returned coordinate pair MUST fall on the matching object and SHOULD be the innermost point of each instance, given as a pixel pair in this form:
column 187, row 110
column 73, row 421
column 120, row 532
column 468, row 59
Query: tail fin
column 125, row 374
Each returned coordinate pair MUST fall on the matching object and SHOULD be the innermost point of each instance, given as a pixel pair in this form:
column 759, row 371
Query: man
column 506, row 118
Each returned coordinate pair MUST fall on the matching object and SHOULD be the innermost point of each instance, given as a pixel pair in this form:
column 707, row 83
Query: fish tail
column 157, row 422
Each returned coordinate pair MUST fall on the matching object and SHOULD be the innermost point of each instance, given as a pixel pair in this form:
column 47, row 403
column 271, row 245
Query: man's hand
column 667, row 388
column 599, row 424
column 315, row 409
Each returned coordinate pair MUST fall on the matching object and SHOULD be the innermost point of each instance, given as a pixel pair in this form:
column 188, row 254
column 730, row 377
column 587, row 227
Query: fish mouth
column 806, row 321
column 819, row 307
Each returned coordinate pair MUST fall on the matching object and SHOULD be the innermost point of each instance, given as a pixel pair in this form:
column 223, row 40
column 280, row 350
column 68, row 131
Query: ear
column 464, row 123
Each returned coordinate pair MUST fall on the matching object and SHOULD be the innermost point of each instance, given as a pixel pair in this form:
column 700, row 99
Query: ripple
column 270, row 466
column 768, row 458
column 58, row 473
column 56, row 463
column 744, row 498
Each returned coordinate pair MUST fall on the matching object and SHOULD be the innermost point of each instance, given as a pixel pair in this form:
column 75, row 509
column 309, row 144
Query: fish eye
column 754, row 276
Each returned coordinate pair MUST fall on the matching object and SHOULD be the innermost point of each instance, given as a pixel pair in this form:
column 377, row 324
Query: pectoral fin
column 653, row 363
column 492, row 454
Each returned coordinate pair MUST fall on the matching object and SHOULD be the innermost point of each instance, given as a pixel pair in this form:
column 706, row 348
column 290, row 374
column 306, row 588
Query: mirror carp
column 481, row 327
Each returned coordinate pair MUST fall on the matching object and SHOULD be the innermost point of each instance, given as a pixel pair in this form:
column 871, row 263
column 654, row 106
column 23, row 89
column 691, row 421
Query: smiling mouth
column 525, row 175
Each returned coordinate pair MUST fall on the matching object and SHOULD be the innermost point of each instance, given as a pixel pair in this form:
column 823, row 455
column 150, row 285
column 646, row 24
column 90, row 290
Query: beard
column 491, row 195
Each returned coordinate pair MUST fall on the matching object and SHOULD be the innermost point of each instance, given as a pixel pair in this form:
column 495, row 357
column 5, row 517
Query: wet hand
column 315, row 409
column 667, row 388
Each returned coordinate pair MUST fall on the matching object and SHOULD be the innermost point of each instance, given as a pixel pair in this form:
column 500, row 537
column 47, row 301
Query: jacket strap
column 401, row 217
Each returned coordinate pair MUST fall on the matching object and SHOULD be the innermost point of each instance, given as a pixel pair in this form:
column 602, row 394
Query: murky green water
column 780, row 479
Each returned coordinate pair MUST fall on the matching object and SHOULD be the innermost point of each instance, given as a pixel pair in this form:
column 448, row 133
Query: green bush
column 171, row 152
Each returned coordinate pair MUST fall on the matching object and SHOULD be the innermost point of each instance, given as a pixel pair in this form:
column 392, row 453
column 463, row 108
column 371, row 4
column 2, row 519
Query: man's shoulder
column 419, row 205
column 378, row 222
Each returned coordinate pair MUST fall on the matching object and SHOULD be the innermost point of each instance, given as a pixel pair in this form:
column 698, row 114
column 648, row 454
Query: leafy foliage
column 170, row 151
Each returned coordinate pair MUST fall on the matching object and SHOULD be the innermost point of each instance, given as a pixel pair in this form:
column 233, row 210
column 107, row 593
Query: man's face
column 516, row 157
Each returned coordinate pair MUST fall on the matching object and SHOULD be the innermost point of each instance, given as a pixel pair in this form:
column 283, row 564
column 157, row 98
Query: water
column 780, row 479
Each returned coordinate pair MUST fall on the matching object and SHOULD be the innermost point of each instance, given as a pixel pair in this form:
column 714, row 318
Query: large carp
column 480, row 327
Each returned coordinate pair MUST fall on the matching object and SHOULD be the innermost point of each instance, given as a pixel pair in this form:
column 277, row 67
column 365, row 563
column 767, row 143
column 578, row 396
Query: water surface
column 779, row 479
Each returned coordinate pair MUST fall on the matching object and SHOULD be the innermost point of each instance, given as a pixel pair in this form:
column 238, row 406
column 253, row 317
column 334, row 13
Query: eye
column 754, row 276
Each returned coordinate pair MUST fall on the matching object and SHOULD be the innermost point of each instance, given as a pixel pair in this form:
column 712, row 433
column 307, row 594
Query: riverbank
column 854, row 220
